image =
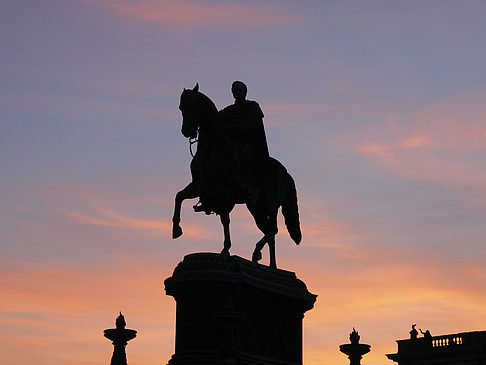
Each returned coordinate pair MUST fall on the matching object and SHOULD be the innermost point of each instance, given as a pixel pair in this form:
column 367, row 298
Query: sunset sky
column 376, row 108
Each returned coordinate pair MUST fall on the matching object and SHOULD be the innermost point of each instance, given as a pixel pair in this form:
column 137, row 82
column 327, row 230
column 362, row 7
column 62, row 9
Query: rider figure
column 243, row 124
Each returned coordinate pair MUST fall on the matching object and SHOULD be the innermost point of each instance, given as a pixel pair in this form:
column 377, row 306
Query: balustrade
column 446, row 341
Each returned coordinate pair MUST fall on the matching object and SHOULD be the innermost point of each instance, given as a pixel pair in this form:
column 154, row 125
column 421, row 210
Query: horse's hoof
column 257, row 256
column 225, row 252
column 176, row 232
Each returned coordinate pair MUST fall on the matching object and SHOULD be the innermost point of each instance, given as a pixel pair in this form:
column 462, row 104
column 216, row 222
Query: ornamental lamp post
column 120, row 337
column 354, row 350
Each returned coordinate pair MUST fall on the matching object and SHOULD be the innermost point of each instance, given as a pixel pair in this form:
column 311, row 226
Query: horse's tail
column 290, row 210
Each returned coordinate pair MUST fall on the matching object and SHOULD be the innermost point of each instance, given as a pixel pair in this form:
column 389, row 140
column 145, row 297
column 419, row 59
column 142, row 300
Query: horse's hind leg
column 225, row 221
column 189, row 192
column 271, row 247
column 267, row 223
column 257, row 253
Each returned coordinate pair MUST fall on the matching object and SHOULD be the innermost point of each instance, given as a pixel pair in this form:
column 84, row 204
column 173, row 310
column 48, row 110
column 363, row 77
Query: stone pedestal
column 233, row 311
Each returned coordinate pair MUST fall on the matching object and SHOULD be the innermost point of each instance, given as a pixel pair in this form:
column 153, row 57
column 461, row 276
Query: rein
column 207, row 104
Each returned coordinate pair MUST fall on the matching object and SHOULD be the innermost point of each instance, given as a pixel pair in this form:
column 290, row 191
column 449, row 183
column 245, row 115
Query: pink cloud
column 416, row 141
column 189, row 14
column 439, row 143
column 382, row 151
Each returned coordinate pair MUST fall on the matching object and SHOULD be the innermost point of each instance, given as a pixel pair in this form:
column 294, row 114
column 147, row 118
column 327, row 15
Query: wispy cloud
column 190, row 14
column 110, row 218
column 443, row 143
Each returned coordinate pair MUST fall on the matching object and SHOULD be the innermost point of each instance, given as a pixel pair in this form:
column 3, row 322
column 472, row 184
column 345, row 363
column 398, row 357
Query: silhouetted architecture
column 232, row 166
column 466, row 348
column 354, row 350
column 234, row 311
column 120, row 336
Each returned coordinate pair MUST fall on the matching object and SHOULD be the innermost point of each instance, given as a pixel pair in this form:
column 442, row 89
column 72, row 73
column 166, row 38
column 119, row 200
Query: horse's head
column 192, row 110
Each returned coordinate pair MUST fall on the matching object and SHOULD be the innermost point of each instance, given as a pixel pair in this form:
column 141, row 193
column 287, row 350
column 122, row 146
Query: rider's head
column 239, row 90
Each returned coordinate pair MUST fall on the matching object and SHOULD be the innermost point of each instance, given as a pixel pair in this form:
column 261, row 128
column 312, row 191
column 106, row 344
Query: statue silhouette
column 427, row 336
column 413, row 332
column 243, row 125
column 232, row 166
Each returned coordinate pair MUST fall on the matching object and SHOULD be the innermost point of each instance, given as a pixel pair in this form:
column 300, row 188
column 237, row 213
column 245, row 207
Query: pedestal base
column 233, row 311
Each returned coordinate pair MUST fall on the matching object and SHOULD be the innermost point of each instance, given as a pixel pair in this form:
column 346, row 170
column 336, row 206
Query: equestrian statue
column 232, row 166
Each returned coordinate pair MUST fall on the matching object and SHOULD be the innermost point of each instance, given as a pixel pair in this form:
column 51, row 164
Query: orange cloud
column 60, row 313
column 61, row 310
column 380, row 289
column 110, row 218
column 382, row 301
column 94, row 207
column 189, row 14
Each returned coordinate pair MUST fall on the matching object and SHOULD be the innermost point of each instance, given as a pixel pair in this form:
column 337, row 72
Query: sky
column 376, row 108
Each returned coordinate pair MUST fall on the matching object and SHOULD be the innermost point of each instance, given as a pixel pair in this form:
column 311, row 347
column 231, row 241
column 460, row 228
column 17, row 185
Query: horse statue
column 218, row 192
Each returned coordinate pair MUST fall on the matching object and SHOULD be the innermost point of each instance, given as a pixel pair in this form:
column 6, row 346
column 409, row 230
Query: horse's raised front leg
column 189, row 192
column 225, row 221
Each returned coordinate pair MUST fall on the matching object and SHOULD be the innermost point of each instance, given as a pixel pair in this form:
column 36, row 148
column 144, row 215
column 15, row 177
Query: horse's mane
column 208, row 103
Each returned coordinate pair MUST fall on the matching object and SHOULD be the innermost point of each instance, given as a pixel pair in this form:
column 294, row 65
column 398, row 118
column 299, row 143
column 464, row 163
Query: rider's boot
column 200, row 207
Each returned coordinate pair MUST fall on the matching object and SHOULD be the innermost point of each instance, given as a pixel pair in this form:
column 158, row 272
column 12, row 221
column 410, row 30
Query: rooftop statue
column 427, row 336
column 232, row 166
column 413, row 332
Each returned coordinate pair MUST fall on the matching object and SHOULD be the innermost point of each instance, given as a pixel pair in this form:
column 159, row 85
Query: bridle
column 192, row 141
